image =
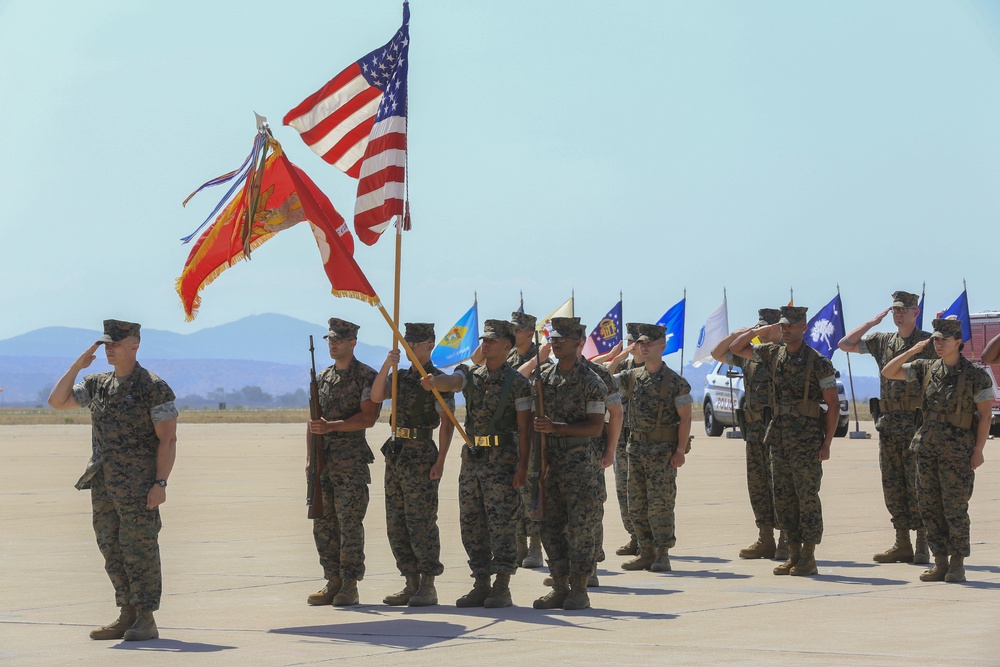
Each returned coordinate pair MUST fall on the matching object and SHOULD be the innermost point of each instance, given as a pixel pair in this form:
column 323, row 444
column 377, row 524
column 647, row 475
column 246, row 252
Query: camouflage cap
column 947, row 328
column 632, row 331
column 904, row 300
column 565, row 327
column 522, row 320
column 583, row 331
column 418, row 332
column 792, row 314
column 497, row 329
column 116, row 330
column 766, row 316
column 341, row 329
column 650, row 332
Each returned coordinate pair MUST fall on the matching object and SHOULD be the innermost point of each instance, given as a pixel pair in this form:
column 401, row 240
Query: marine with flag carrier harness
column 497, row 419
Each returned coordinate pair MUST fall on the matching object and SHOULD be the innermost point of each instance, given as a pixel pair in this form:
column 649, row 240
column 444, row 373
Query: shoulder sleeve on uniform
column 163, row 412
column 522, row 393
column 826, row 374
column 162, row 393
column 613, row 398
column 762, row 352
column 982, row 386
column 914, row 370
column 81, row 394
column 871, row 344
column 682, row 400
column 449, row 399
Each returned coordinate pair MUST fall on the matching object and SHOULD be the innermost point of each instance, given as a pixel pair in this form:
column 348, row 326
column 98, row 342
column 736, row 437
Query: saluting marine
column 413, row 469
column 956, row 400
column 896, row 420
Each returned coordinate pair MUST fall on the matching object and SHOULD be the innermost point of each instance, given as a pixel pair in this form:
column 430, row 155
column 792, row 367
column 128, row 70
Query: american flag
column 357, row 122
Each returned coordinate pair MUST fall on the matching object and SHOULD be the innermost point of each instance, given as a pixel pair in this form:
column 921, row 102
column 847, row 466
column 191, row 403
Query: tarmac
column 239, row 561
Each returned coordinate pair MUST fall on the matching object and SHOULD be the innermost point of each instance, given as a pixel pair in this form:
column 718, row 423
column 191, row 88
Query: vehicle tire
column 712, row 427
column 841, row 430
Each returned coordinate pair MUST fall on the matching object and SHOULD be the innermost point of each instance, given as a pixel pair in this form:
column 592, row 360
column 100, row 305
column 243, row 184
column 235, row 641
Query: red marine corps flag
column 274, row 194
column 357, row 123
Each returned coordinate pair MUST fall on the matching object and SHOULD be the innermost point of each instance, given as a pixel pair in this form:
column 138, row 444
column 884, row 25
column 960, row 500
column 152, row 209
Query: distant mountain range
column 267, row 351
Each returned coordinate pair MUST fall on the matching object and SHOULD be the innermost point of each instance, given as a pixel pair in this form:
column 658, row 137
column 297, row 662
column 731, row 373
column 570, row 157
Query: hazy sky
column 645, row 147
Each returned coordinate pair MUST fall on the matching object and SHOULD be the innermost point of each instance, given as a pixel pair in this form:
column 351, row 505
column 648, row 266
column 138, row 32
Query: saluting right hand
column 881, row 316
column 87, row 357
column 920, row 346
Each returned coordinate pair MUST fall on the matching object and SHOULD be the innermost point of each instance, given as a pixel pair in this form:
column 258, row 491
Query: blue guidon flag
column 606, row 334
column 826, row 328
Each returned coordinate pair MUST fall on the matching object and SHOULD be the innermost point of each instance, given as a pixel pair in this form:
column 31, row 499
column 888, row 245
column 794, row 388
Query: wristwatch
column 161, row 482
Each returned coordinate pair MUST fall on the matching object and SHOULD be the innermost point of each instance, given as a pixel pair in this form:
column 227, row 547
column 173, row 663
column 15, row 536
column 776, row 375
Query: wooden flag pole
column 423, row 373
column 395, row 321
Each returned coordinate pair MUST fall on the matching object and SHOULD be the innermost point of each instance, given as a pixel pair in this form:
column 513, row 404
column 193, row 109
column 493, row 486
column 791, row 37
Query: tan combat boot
column 326, row 594
column 426, row 594
column 641, row 562
column 116, row 630
column 555, row 598
column 921, row 554
column 806, row 564
column 577, row 598
column 781, row 551
column 533, row 558
column 522, row 549
column 500, row 594
column 939, row 571
column 956, row 570
column 794, row 551
column 764, row 547
column 144, row 628
column 403, row 597
column 475, row 598
column 630, row 548
column 661, row 563
column 348, row 595
column 900, row 552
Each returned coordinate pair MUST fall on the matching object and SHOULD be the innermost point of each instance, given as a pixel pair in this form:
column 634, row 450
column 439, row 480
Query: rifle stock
column 537, row 485
column 317, row 460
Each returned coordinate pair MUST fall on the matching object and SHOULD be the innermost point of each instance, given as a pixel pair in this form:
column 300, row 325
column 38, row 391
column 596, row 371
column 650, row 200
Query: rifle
column 317, row 460
column 536, row 486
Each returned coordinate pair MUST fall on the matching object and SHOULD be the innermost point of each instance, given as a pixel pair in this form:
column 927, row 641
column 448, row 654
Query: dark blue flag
column 826, row 328
column 960, row 311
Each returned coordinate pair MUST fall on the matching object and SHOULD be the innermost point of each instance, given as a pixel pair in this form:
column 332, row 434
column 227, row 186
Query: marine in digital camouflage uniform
column 497, row 419
column 529, row 541
column 799, row 435
column 413, row 468
column 133, row 448
column 605, row 448
column 753, row 423
column 346, row 410
column 957, row 396
column 573, row 398
column 659, row 419
column 899, row 405
column 622, row 362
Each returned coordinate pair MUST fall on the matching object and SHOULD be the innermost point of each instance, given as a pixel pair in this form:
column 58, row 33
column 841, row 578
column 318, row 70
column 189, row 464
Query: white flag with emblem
column 715, row 329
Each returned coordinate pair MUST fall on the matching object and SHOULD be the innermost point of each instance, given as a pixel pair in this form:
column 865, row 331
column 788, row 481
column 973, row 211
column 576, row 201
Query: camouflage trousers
column 944, row 487
column 411, row 509
column 340, row 533
column 621, row 486
column 526, row 526
column 488, row 507
column 127, row 537
column 602, row 497
column 652, row 492
column 571, row 506
column 759, row 484
column 899, row 471
column 796, row 473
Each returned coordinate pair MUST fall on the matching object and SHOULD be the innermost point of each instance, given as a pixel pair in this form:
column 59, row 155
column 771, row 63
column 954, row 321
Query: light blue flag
column 673, row 320
column 960, row 311
column 826, row 328
column 460, row 342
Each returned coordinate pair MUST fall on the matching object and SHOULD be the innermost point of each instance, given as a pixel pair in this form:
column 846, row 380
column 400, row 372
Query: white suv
column 724, row 395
